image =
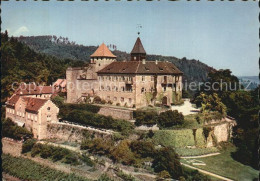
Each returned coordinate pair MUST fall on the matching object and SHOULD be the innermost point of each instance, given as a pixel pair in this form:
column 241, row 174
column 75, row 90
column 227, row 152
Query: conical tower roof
column 138, row 47
column 103, row 51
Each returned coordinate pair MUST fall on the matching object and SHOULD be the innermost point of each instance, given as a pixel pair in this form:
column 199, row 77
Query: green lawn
column 226, row 166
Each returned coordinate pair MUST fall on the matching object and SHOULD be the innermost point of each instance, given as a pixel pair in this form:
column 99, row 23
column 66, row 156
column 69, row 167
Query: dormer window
column 147, row 69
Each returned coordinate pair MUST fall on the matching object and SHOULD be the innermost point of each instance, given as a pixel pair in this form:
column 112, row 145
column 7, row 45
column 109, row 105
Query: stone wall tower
column 100, row 59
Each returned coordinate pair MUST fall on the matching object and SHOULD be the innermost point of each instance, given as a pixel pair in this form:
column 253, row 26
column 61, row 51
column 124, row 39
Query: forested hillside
column 22, row 64
column 61, row 47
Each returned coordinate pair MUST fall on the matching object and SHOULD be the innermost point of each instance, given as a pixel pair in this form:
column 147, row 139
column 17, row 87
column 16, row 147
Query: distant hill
column 249, row 82
column 61, row 47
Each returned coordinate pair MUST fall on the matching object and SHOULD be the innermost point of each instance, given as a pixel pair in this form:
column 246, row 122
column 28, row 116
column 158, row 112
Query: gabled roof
column 13, row 100
column 150, row 67
column 30, row 89
column 103, row 51
column 138, row 47
column 33, row 104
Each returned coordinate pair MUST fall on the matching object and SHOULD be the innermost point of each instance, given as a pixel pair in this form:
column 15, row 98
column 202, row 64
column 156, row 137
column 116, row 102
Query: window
column 122, row 99
column 164, row 89
column 122, row 88
column 152, row 78
column 143, row 78
column 48, row 108
column 165, row 78
column 142, row 90
column 130, row 100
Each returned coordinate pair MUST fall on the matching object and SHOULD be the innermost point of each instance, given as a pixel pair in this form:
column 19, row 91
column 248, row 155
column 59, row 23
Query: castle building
column 30, row 107
column 134, row 83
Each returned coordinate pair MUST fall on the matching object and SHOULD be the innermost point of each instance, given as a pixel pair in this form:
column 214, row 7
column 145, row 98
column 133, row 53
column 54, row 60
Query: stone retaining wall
column 12, row 146
column 73, row 133
column 117, row 113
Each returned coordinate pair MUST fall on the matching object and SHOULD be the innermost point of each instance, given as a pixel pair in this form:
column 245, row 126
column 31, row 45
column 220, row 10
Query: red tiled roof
column 138, row 47
column 64, row 83
column 34, row 104
column 103, row 51
column 13, row 100
column 31, row 89
column 60, row 82
column 131, row 67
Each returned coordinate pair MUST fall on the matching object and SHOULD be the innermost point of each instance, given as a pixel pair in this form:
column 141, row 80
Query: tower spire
column 138, row 53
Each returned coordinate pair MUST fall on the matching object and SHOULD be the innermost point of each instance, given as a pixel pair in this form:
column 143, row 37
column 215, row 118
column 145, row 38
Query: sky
column 220, row 34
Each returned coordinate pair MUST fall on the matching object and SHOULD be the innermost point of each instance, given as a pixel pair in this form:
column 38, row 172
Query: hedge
column 174, row 138
column 29, row 170
column 59, row 154
column 65, row 109
column 99, row 121
column 200, row 138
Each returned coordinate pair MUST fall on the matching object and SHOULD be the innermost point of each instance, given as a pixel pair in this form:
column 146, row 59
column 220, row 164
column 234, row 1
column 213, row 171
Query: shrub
column 58, row 100
column 103, row 101
column 46, row 151
column 12, row 130
column 97, row 100
column 28, row 145
column 163, row 175
column 145, row 118
column 122, row 153
column 97, row 146
column 59, row 154
column 36, row 149
column 109, row 102
column 167, row 159
column 71, row 159
column 87, row 160
column 66, row 109
column 143, row 148
column 169, row 119
column 100, row 121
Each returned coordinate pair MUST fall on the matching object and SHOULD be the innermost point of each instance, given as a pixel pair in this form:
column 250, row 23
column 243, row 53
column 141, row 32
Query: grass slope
column 226, row 166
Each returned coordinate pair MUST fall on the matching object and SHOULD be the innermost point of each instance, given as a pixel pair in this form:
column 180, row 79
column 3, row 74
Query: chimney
column 143, row 61
column 156, row 62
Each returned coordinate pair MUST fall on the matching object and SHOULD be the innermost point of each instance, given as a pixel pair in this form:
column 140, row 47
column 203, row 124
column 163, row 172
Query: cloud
column 21, row 31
